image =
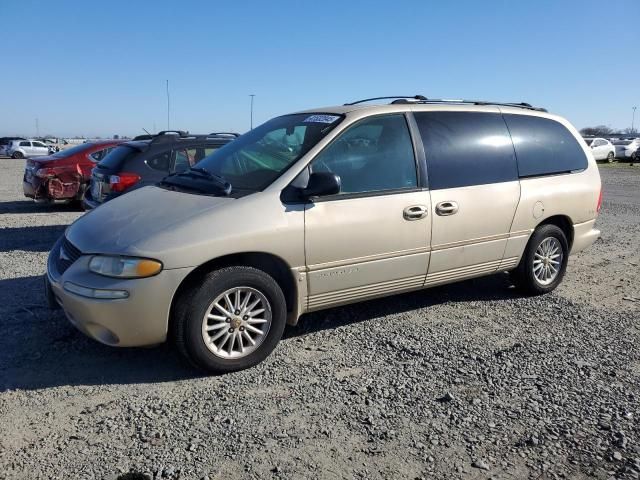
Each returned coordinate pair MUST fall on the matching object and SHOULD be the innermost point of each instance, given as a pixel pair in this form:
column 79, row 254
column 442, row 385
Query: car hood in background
column 117, row 225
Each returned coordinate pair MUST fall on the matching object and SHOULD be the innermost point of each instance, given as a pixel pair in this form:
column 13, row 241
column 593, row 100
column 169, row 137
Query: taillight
column 45, row 172
column 599, row 201
column 119, row 183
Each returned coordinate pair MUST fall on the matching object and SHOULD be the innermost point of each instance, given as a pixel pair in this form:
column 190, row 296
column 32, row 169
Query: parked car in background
column 601, row 148
column 627, row 149
column 27, row 148
column 327, row 207
column 134, row 164
column 64, row 176
column 4, row 144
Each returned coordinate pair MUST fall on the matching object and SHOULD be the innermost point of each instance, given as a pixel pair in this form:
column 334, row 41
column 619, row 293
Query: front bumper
column 139, row 320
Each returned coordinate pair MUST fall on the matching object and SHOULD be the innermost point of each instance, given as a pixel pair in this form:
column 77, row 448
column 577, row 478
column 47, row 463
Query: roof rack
column 415, row 97
column 424, row 100
column 225, row 134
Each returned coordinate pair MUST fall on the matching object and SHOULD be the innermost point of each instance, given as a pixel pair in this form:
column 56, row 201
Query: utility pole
column 168, row 105
column 633, row 118
column 252, row 95
column 37, row 128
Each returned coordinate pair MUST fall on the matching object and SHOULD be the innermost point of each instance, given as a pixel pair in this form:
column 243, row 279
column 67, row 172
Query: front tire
column 17, row 155
column 544, row 262
column 233, row 320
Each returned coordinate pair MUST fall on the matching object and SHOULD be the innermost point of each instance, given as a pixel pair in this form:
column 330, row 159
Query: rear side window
column 25, row 144
column 117, row 157
column 544, row 146
column 160, row 162
column 466, row 148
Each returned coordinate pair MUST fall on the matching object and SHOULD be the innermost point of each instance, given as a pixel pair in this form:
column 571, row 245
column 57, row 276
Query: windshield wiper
column 203, row 173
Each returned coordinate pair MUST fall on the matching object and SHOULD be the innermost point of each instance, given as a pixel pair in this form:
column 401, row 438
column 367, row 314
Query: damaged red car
column 63, row 177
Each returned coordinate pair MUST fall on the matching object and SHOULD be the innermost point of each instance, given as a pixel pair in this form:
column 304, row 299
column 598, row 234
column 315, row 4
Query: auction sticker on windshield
column 321, row 119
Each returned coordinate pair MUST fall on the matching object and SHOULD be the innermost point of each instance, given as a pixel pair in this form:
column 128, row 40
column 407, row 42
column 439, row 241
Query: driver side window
column 373, row 155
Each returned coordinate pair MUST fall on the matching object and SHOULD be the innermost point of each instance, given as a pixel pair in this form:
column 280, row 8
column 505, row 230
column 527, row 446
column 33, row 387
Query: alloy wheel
column 236, row 322
column 547, row 261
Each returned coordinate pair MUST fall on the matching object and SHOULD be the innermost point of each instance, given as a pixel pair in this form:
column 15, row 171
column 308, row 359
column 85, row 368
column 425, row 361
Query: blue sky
column 88, row 70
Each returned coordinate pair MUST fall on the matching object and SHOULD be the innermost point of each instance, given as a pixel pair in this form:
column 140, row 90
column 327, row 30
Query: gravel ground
column 461, row 381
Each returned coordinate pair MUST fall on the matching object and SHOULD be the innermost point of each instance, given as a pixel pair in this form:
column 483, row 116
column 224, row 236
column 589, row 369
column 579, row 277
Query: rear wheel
column 231, row 321
column 610, row 157
column 17, row 155
column 544, row 262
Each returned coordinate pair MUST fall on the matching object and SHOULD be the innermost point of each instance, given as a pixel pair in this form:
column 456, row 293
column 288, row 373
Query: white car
column 627, row 148
column 601, row 148
column 27, row 148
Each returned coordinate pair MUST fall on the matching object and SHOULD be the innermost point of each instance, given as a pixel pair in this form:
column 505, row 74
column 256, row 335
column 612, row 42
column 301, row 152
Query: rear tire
column 610, row 157
column 198, row 320
column 544, row 261
column 17, row 155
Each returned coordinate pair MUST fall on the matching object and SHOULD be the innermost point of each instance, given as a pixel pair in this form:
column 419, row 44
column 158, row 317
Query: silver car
column 323, row 208
column 27, row 148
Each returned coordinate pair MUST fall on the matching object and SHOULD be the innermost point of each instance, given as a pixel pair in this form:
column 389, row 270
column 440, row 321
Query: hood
column 118, row 225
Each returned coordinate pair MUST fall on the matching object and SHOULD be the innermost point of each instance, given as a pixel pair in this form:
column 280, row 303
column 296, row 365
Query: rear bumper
column 88, row 202
column 29, row 189
column 584, row 235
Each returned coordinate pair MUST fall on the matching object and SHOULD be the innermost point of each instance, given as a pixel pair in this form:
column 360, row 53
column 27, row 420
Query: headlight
column 124, row 267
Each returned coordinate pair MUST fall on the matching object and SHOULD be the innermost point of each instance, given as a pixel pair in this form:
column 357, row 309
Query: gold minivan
column 327, row 207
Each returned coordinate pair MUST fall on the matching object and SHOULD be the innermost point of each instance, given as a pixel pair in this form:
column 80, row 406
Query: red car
column 64, row 176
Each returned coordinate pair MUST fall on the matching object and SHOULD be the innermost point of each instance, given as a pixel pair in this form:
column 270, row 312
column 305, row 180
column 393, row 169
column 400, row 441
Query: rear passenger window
column 160, row 162
column 25, row 144
column 544, row 146
column 375, row 154
column 466, row 148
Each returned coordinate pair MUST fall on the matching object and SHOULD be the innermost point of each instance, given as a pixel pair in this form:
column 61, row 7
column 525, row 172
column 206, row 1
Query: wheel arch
column 269, row 263
column 564, row 223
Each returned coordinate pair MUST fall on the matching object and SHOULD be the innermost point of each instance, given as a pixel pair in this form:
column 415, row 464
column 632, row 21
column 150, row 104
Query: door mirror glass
column 321, row 184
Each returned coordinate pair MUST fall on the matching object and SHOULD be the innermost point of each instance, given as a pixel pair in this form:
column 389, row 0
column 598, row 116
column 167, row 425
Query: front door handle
column 415, row 212
column 446, row 208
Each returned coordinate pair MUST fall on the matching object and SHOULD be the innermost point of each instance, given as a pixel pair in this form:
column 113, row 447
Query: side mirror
column 322, row 183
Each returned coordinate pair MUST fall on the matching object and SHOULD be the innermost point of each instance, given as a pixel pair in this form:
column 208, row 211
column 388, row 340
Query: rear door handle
column 415, row 212
column 446, row 208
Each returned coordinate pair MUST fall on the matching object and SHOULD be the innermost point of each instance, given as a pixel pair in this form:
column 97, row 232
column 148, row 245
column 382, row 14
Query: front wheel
column 544, row 261
column 17, row 155
column 231, row 321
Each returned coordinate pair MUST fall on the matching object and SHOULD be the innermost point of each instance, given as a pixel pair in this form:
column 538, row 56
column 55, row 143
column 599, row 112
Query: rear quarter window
column 466, row 148
column 544, row 146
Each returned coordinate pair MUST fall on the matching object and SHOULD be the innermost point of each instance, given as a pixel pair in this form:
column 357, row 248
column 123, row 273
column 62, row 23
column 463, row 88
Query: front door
column 473, row 179
column 372, row 238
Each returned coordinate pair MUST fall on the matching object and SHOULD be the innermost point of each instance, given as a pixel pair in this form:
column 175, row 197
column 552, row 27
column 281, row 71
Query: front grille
column 66, row 254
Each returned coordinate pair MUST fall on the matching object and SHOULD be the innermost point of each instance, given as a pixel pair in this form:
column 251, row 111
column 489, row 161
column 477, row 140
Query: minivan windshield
column 257, row 158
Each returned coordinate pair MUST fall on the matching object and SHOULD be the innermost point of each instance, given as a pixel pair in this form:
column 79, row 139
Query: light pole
column 251, row 95
column 168, row 105
column 633, row 118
